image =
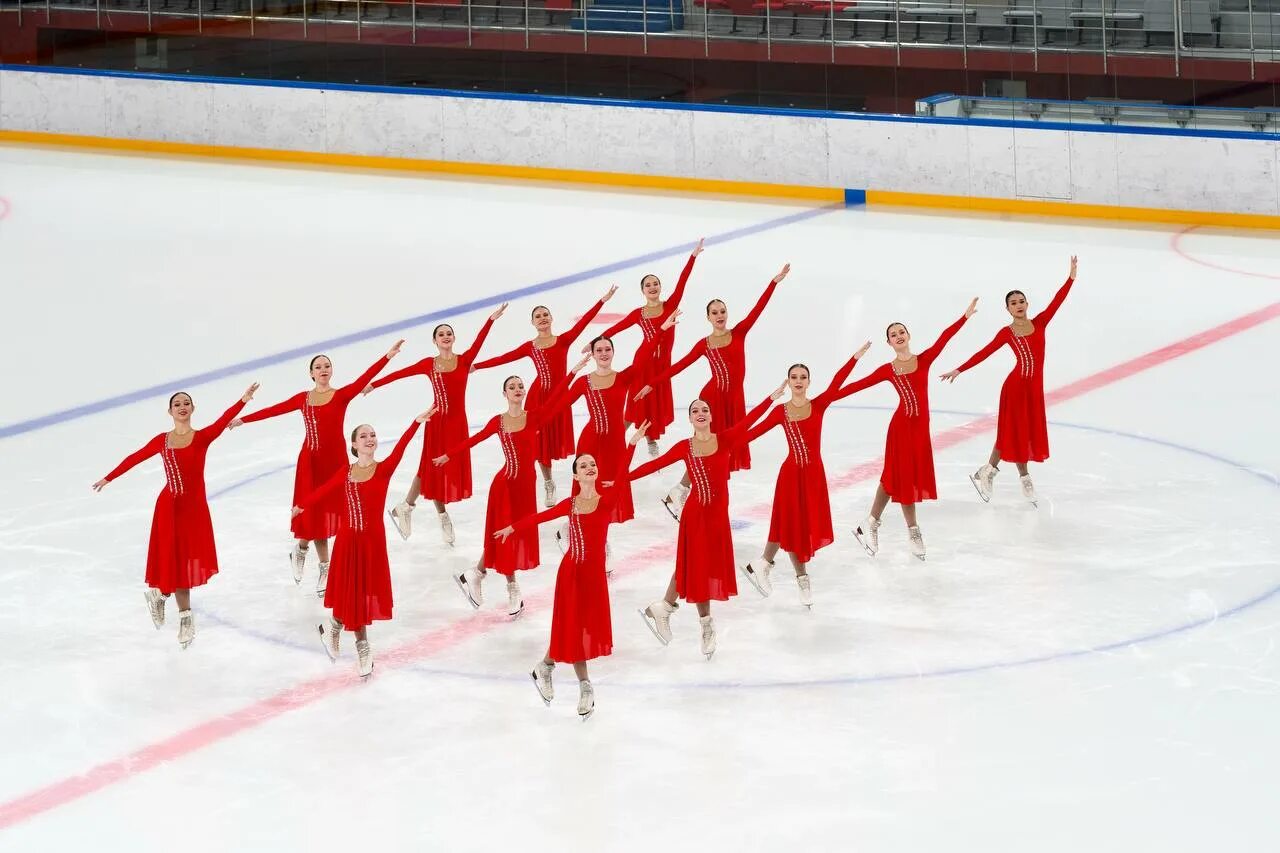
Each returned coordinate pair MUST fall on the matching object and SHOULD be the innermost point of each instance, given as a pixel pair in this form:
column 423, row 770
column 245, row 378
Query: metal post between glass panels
column 48, row 11
column 250, row 16
column 1102, row 20
column 304, row 16
column 768, row 31
column 1177, row 37
column 359, row 19
column 413, row 21
column 526, row 24
column 964, row 31
column 148, row 14
column 897, row 32
column 706, row 31
column 200, row 16
column 831, row 22
column 644, row 25
column 1035, row 35
column 469, row 23
column 1252, row 71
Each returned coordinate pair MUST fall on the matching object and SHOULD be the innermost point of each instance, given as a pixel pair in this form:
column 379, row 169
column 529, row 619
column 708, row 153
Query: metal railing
column 1173, row 29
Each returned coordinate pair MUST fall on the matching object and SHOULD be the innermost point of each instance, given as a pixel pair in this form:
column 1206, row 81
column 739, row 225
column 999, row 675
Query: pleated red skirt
column 359, row 586
column 801, row 521
column 1022, row 433
column 908, row 461
column 181, row 553
column 704, row 552
column 509, row 501
column 581, row 626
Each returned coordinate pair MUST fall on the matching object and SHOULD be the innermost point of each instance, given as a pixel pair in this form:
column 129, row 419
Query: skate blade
column 546, row 701
column 462, row 585
column 666, row 504
column 324, row 642
column 365, row 676
column 516, row 614
column 560, row 543
column 396, row 523
column 709, row 654
column 187, row 643
column 919, row 557
column 586, row 716
column 857, row 534
column 651, row 625
column 754, row 581
column 320, row 594
column 986, row 499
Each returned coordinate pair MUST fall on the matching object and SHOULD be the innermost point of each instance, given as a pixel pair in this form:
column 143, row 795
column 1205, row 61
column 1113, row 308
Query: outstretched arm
column 842, row 375
column 1043, row 318
column 737, row 433
column 555, row 400
column 418, row 368
column 750, row 320
column 699, row 350
column 880, row 374
column 467, row 357
column 579, row 327
column 926, row 358
column 219, row 426
column 521, row 351
column 630, row 319
column 560, row 510
column 675, row 453
column 322, row 491
column 393, row 459
column 362, row 381
column 981, row 355
column 774, row 419
column 678, row 294
column 292, row 404
column 143, row 453
column 487, row 431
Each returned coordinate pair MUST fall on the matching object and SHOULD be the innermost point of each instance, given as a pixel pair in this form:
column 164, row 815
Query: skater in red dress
column 907, row 478
column 1022, row 434
column 801, row 520
column 581, row 627
column 605, row 435
column 725, row 352
column 512, row 494
column 549, row 353
column 448, row 372
column 181, row 553
column 704, row 544
column 657, row 407
column 323, row 453
column 359, row 592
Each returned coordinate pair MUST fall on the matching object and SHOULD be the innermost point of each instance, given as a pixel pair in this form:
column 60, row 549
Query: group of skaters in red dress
column 344, row 501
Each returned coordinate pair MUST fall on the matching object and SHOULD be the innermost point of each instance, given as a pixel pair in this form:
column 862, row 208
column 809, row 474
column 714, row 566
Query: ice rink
column 1100, row 673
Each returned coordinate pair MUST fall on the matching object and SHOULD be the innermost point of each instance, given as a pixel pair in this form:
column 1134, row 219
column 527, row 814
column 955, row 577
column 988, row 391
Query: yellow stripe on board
column 406, row 164
column 1036, row 207
column 825, row 195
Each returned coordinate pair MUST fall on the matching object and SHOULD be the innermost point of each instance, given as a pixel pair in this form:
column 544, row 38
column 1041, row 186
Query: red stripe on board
column 205, row 734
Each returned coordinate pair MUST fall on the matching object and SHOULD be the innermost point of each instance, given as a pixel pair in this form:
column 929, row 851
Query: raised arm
column 521, row 351
column 699, row 350
column 1043, row 318
column 142, row 454
column 750, row 320
column 675, row 453
column 487, row 431
column 579, row 327
column 842, row 375
column 737, row 433
column 560, row 510
column 418, row 368
column 469, row 356
column 219, row 426
column 881, row 374
column 678, row 294
column 393, row 459
column 628, row 320
column 555, row 400
column 362, row 381
column 292, row 404
column 926, row 358
column 322, row 491
column 774, row 419
column 984, row 353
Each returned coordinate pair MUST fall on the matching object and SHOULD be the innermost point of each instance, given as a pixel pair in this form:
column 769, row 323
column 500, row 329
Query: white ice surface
column 1098, row 674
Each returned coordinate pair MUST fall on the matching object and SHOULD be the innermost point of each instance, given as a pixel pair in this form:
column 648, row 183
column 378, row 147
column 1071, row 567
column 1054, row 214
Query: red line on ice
column 205, row 734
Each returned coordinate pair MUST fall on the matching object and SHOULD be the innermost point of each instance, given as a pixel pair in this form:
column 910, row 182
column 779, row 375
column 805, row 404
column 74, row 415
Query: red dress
column 657, row 407
column 605, row 434
column 704, row 543
column 908, row 451
column 513, row 492
column 1022, row 434
column 181, row 553
column 450, row 482
column 324, row 451
column 728, row 374
column 801, row 521
column 359, row 590
column 555, row 436
column 581, row 628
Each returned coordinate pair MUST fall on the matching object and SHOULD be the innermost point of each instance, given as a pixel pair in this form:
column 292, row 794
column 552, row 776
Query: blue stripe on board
column 660, row 105
column 165, row 388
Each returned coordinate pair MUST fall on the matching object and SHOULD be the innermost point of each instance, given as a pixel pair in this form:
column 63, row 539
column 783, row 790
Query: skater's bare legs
column 545, row 468
column 670, row 595
column 801, row 568
column 322, row 549
column 415, row 490
column 909, row 513
column 439, row 506
column 184, row 598
column 994, row 462
column 580, row 670
column 362, row 634
column 685, row 481
column 881, row 501
column 771, row 551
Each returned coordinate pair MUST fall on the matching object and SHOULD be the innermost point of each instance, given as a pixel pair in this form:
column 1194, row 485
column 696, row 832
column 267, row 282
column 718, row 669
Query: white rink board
column 855, row 151
column 1099, row 673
